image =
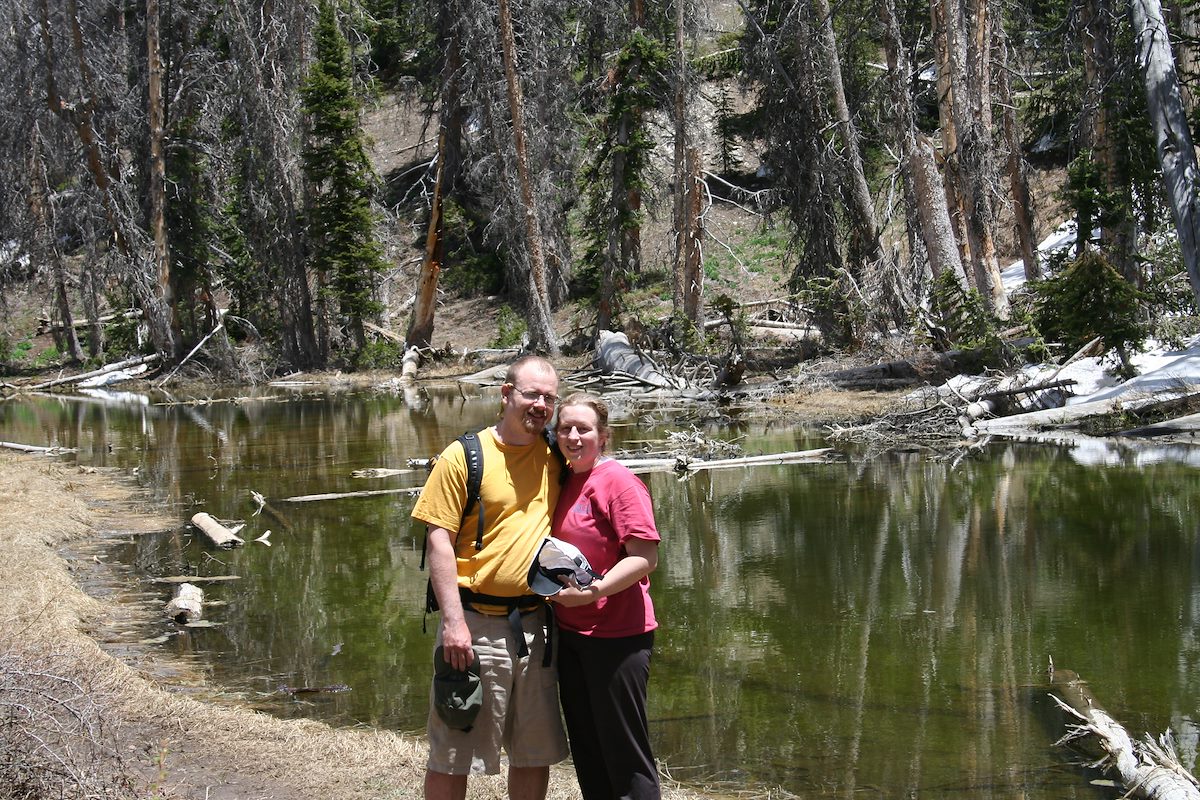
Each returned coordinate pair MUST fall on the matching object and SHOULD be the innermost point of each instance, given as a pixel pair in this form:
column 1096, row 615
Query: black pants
column 602, row 685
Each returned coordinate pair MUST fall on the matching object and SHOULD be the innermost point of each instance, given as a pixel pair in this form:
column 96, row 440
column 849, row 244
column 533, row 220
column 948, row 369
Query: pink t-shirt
column 597, row 512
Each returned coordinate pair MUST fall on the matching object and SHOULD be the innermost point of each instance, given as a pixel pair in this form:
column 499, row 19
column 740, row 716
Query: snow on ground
column 1163, row 373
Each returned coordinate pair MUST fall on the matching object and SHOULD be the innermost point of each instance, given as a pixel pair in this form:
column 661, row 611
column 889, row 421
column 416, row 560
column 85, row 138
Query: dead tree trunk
column 40, row 210
column 973, row 107
column 156, row 119
column 1018, row 174
column 688, row 277
column 1173, row 137
column 917, row 158
column 541, row 329
column 1148, row 769
column 420, row 329
column 862, row 210
column 947, row 122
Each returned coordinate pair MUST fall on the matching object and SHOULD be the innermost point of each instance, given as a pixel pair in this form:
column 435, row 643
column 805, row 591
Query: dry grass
column 104, row 729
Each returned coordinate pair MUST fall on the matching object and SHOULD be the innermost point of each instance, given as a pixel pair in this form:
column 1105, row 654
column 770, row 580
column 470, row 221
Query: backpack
column 473, row 450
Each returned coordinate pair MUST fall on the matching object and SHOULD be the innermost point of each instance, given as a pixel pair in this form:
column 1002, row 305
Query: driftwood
column 490, row 376
column 332, row 689
column 309, row 498
column 116, row 376
column 384, row 332
column 273, row 512
column 218, row 533
column 49, row 326
column 379, row 472
column 132, row 362
column 196, row 349
column 32, row 448
column 409, row 365
column 197, row 579
column 614, row 353
column 1148, row 769
column 186, row 605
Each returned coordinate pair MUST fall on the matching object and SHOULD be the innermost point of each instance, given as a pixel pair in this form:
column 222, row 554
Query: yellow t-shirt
column 519, row 489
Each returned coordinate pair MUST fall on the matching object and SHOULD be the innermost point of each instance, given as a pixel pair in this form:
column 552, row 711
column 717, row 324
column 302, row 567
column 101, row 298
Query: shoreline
column 151, row 733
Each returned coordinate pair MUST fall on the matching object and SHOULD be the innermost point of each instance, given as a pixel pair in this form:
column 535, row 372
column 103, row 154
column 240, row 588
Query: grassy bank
column 75, row 721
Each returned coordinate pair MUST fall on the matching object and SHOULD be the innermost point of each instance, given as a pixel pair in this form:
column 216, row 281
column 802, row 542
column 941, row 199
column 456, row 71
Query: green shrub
column 961, row 314
column 47, row 357
column 511, row 328
column 1089, row 299
column 379, row 355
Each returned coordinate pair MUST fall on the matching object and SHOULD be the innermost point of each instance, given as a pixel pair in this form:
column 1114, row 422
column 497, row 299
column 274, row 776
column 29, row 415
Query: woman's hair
column 594, row 403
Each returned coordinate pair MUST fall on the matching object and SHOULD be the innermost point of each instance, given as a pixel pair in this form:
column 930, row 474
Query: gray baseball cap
column 557, row 559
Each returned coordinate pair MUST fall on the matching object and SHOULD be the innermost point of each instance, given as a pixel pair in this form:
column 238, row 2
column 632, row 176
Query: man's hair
column 511, row 375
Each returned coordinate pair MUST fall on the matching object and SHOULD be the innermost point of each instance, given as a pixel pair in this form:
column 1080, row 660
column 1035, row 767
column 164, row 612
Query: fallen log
column 219, row 535
column 50, row 326
column 751, row 461
column 384, row 332
column 196, row 349
column 116, row 376
column 131, row 362
column 379, row 472
column 186, row 605
column 196, row 579
column 409, row 365
column 614, row 353
column 309, row 498
column 263, row 505
column 1148, row 769
column 33, row 448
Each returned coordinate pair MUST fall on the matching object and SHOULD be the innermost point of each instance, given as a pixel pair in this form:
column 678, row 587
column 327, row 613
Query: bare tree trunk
column 687, row 294
column 1187, row 49
column 81, row 116
column 44, row 249
column 158, row 176
column 1172, row 135
column 693, row 238
column 1018, row 174
column 1117, row 232
column 972, row 111
column 420, row 329
column 541, row 329
column 944, row 52
column 862, row 209
column 267, row 44
column 917, row 158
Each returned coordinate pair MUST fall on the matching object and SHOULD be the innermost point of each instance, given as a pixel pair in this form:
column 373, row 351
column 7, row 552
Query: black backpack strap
column 552, row 443
column 473, row 450
column 473, row 456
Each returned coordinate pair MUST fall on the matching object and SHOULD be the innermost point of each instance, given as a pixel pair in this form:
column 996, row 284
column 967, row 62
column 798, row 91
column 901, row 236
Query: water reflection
column 877, row 626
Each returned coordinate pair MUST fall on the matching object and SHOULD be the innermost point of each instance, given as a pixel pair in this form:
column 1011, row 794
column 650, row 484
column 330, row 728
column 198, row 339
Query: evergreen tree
column 340, row 221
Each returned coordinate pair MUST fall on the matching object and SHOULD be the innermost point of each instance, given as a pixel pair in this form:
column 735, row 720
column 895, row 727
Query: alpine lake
column 862, row 626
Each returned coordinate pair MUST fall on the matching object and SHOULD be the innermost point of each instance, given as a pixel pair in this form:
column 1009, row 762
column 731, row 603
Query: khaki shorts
column 520, row 704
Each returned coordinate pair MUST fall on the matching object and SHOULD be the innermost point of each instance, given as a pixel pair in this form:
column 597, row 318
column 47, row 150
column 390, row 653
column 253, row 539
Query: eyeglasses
column 533, row 397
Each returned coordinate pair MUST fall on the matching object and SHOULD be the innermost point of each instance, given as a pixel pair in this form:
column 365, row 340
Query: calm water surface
column 863, row 627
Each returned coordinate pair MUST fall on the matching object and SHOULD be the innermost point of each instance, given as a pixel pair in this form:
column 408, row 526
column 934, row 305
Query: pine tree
column 340, row 221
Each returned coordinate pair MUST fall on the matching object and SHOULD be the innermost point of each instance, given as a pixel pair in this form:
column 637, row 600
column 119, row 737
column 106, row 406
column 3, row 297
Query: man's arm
column 443, row 575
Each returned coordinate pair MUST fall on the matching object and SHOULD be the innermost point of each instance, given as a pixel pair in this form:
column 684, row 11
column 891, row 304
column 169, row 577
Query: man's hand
column 443, row 575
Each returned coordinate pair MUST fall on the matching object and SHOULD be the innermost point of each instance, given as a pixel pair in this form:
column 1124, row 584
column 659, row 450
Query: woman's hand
column 572, row 597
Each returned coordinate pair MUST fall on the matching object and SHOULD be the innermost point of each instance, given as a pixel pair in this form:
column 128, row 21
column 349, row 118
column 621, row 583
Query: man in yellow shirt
column 481, row 589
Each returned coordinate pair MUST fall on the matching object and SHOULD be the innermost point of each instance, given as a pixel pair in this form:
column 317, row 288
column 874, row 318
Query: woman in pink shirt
column 606, row 629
